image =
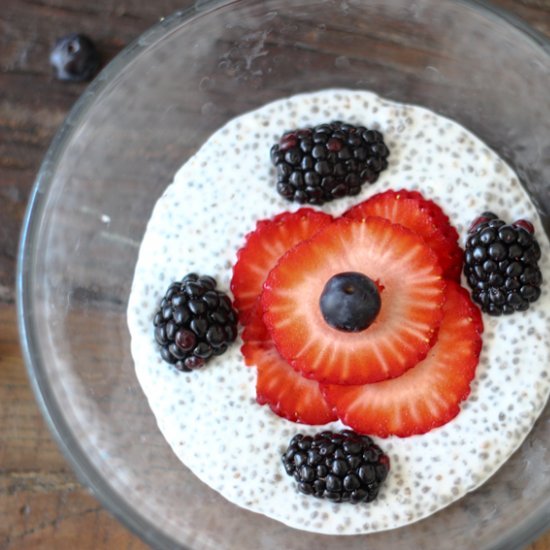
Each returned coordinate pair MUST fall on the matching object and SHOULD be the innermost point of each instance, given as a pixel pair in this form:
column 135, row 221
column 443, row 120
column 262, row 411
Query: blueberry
column 74, row 57
column 350, row 302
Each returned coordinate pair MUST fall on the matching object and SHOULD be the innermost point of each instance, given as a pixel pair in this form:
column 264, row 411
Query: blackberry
column 501, row 264
column 74, row 57
column 329, row 161
column 194, row 322
column 341, row 467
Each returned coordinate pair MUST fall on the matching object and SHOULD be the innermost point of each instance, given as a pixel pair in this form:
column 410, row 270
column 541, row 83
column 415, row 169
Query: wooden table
column 41, row 503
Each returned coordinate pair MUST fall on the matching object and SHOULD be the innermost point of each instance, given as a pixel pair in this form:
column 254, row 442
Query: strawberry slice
column 255, row 335
column 287, row 393
column 409, row 280
column 262, row 249
column 442, row 221
column 428, row 395
column 424, row 217
column 436, row 212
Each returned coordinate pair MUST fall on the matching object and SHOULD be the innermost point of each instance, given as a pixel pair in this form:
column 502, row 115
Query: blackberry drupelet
column 194, row 322
column 501, row 264
column 329, row 161
column 341, row 467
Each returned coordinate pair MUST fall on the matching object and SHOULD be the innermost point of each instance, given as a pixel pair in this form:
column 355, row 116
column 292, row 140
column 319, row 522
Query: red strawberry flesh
column 255, row 336
column 412, row 294
column 262, row 249
column 425, row 218
column 278, row 385
column 428, row 395
column 436, row 212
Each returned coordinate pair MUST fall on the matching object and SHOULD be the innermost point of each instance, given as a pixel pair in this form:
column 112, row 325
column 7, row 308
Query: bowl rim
column 525, row 531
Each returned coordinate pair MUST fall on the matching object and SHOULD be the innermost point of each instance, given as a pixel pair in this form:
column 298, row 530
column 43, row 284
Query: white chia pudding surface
column 199, row 224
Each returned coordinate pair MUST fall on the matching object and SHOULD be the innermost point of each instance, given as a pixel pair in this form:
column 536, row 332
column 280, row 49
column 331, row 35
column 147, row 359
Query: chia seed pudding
column 228, row 185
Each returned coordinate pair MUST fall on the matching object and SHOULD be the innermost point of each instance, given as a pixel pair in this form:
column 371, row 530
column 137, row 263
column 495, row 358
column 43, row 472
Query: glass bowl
column 146, row 114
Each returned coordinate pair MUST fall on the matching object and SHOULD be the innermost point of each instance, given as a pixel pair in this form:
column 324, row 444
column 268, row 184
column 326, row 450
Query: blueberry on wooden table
column 74, row 58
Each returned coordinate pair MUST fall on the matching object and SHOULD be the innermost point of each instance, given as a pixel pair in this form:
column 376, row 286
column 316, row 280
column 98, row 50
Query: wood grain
column 42, row 505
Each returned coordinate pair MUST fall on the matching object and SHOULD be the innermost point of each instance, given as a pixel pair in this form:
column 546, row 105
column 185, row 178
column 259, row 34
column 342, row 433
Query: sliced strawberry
column 287, row 393
column 255, row 335
column 425, row 218
column 433, row 208
column 412, row 292
column 444, row 224
column 263, row 248
column 428, row 395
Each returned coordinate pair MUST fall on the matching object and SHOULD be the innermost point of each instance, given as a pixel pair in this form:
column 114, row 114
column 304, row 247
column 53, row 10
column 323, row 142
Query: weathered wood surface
column 41, row 503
